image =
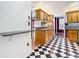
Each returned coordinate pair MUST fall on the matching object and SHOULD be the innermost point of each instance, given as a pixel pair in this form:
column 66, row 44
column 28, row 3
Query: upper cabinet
column 43, row 16
column 69, row 17
column 78, row 16
column 72, row 17
column 50, row 18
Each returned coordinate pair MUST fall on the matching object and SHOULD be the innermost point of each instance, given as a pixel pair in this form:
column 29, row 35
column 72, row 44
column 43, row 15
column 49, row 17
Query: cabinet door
column 50, row 33
column 78, row 16
column 50, row 18
column 72, row 17
column 69, row 17
column 38, row 14
column 46, row 36
column 72, row 35
column 39, row 37
column 42, row 16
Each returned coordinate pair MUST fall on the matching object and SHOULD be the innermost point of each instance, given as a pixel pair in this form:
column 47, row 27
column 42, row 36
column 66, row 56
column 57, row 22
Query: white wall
column 56, row 8
column 73, row 6
column 42, row 5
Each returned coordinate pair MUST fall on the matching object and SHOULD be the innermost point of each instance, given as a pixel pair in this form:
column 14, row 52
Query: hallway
column 58, row 47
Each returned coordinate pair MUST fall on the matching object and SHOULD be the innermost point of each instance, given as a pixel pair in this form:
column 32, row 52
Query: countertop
column 72, row 26
column 46, row 28
column 71, row 29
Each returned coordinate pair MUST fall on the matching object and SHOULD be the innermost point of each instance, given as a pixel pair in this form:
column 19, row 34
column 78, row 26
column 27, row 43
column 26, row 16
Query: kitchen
column 39, row 29
column 50, row 22
column 44, row 16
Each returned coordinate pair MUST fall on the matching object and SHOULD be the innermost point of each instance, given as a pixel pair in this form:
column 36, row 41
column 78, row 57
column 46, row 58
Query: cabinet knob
column 27, row 44
column 28, row 17
column 29, row 23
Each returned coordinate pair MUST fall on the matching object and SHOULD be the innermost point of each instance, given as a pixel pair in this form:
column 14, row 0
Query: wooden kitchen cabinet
column 50, row 33
column 46, row 36
column 50, row 18
column 41, row 15
column 78, row 16
column 40, row 37
column 72, row 17
column 69, row 17
column 43, row 34
column 73, row 35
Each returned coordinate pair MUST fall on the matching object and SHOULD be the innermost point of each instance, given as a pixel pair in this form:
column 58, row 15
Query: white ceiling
column 58, row 7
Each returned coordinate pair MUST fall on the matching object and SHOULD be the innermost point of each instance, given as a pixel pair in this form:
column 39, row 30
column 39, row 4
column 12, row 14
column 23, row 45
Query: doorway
column 59, row 26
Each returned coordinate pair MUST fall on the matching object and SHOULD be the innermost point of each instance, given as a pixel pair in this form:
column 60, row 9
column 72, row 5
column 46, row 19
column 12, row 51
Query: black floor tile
column 39, row 46
column 36, row 50
column 67, row 54
column 44, row 49
column 41, row 53
column 76, row 56
column 58, row 55
column 59, row 51
column 32, row 54
column 37, row 56
column 48, row 56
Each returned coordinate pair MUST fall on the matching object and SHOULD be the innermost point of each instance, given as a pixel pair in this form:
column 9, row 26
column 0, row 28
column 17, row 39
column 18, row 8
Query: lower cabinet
column 73, row 35
column 51, row 33
column 43, row 36
column 46, row 36
column 40, row 37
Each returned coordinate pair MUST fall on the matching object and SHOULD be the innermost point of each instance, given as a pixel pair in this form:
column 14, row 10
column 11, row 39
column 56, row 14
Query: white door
column 15, row 16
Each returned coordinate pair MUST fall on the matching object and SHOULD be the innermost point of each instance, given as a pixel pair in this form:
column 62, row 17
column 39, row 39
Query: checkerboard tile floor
column 57, row 48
